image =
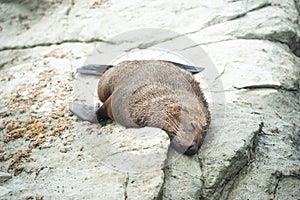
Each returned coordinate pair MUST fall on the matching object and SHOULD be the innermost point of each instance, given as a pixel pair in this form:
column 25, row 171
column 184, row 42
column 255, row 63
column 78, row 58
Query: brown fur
column 157, row 94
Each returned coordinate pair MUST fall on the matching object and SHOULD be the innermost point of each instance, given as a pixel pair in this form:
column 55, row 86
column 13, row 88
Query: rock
column 297, row 5
column 182, row 177
column 146, row 185
column 4, row 176
column 286, row 189
column 252, row 60
column 252, row 25
column 5, row 191
column 273, row 152
column 64, row 150
column 250, row 51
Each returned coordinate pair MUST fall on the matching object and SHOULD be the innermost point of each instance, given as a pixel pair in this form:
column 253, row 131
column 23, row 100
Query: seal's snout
column 191, row 150
column 188, row 150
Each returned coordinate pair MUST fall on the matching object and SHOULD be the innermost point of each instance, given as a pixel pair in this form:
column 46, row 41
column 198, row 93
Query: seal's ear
column 93, row 69
column 189, row 68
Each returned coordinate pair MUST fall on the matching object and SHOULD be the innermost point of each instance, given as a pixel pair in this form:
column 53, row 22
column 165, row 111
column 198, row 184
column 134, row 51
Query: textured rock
column 4, row 176
column 146, row 185
column 251, row 53
column 183, row 177
column 275, row 158
column 282, row 24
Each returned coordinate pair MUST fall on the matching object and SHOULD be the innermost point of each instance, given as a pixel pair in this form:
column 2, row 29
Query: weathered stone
column 183, row 177
column 275, row 158
column 4, row 176
column 4, row 191
column 146, row 185
column 251, row 53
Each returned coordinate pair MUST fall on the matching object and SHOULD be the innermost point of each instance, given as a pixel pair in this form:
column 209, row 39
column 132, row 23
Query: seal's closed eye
column 193, row 126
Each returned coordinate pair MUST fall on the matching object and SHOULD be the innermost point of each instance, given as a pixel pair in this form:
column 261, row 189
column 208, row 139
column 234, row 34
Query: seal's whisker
column 175, row 126
column 173, row 123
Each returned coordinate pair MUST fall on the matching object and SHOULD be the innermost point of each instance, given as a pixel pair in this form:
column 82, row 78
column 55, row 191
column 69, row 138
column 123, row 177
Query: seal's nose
column 191, row 150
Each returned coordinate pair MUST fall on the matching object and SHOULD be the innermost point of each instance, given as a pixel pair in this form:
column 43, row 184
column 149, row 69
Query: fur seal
column 152, row 93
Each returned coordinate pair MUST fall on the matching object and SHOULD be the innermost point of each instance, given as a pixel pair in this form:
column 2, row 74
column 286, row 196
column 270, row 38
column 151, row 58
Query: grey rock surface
column 4, row 176
column 251, row 53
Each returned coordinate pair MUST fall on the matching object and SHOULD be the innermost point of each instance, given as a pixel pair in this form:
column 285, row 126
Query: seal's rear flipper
column 93, row 69
column 105, row 111
column 98, row 70
column 102, row 114
column 189, row 68
column 84, row 112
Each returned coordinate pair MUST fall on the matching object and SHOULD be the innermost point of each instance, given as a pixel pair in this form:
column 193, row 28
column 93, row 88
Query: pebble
column 64, row 150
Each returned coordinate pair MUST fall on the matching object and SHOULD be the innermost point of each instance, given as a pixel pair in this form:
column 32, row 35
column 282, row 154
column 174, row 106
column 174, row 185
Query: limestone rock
column 250, row 50
column 4, row 176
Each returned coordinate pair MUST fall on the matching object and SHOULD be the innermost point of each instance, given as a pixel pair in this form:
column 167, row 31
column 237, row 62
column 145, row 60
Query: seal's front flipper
column 93, row 69
column 189, row 68
column 84, row 112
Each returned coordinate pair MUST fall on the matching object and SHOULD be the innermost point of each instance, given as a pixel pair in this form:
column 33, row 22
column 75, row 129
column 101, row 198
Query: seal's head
column 186, row 127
